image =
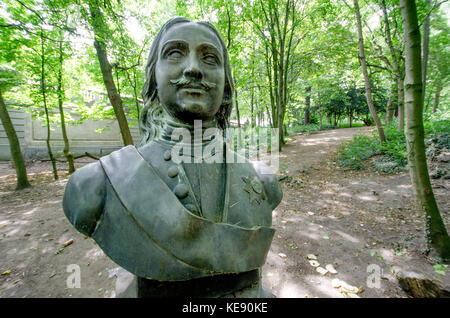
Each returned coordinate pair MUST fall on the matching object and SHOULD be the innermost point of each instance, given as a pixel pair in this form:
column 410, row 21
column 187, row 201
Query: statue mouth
column 192, row 89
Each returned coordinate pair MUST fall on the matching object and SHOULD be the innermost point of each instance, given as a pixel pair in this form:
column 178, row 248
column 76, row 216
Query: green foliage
column 308, row 128
column 353, row 154
column 377, row 254
column 254, row 141
column 437, row 126
column 9, row 77
column 323, row 56
column 394, row 148
column 437, row 143
column 388, row 164
column 441, row 269
column 393, row 151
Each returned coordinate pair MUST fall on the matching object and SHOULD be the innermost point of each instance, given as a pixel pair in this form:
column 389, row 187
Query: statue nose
column 192, row 69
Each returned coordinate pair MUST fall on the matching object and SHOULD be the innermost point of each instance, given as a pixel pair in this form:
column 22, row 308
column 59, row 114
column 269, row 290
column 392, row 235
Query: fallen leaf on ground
column 331, row 269
column 322, row 271
column 345, row 287
column 314, row 263
column 336, row 283
column 350, row 295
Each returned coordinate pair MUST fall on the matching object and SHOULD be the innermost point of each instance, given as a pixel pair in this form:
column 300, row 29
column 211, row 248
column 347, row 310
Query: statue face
column 190, row 73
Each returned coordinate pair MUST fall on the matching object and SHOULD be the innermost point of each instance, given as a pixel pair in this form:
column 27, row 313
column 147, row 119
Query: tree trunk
column 397, row 71
column 135, row 94
column 14, row 146
column 252, row 109
column 362, row 59
column 272, row 99
column 390, row 107
column 238, row 117
column 47, row 118
column 115, row 99
column 437, row 96
column 437, row 236
column 60, row 92
column 236, row 104
column 401, row 103
column 260, row 110
column 307, row 105
column 425, row 50
column 269, row 116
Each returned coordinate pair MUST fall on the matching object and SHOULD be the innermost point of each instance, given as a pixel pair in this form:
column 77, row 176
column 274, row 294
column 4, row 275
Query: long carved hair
column 150, row 118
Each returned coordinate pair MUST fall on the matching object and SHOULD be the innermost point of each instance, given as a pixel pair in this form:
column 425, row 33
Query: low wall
column 96, row 137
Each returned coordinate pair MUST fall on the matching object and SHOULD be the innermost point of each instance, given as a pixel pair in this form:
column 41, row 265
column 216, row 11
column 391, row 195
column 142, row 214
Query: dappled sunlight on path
column 357, row 221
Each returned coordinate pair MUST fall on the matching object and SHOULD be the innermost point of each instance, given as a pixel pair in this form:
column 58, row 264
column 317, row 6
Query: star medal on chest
column 254, row 187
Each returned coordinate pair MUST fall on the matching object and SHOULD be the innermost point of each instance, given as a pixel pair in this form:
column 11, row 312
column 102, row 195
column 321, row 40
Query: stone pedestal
column 242, row 285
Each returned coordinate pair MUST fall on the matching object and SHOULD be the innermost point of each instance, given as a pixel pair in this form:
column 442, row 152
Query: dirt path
column 308, row 149
column 364, row 224
column 350, row 220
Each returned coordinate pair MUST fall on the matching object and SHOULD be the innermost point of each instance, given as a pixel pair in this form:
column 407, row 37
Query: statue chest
column 221, row 192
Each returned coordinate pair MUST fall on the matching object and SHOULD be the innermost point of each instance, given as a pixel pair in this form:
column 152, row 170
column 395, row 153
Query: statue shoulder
column 84, row 197
column 270, row 182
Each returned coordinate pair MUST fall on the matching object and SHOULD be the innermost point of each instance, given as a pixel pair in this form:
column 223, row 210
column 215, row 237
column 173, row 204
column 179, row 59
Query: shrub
column 394, row 147
column 308, row 128
column 394, row 151
column 388, row 164
column 353, row 153
column 436, row 127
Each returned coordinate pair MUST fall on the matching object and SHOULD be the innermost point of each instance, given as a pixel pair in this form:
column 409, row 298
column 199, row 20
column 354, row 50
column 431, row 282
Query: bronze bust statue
column 180, row 222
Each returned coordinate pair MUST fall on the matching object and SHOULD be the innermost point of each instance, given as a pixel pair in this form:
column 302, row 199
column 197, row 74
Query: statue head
column 188, row 76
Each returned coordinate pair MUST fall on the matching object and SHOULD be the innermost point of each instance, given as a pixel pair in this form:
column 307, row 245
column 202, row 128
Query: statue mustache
column 186, row 82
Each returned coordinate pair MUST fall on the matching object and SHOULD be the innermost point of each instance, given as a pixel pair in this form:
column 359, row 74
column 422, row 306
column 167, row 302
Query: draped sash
column 178, row 245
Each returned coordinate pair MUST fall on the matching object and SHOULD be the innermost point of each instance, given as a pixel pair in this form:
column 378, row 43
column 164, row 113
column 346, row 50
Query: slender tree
column 98, row 25
column 425, row 51
column 437, row 96
column 43, row 85
column 60, row 93
column 396, row 58
column 363, row 62
column 436, row 232
column 390, row 107
column 14, row 145
column 306, row 119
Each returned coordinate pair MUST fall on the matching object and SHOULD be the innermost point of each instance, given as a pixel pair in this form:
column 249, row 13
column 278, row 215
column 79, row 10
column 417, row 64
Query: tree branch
column 435, row 6
column 32, row 10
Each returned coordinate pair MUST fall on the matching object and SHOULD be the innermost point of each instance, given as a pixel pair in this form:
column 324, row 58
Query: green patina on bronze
column 170, row 221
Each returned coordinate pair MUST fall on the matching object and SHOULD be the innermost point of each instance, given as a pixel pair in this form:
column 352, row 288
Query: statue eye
column 174, row 54
column 211, row 59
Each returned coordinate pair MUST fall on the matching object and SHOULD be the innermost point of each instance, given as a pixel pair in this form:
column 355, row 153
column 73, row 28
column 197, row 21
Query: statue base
column 240, row 285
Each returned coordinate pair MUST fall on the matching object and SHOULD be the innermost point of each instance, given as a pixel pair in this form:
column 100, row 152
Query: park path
column 308, row 149
column 347, row 219
column 359, row 222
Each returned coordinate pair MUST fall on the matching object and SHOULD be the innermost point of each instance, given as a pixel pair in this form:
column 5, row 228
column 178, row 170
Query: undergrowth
column 393, row 152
